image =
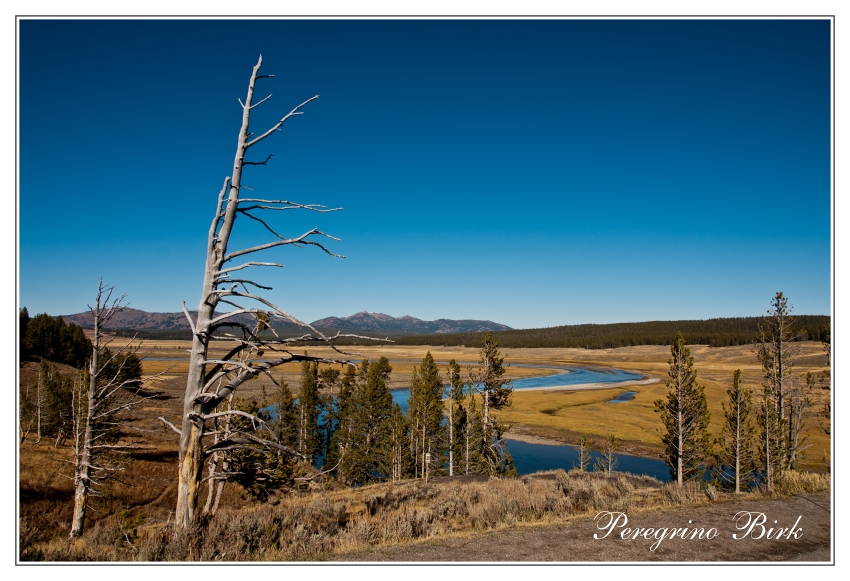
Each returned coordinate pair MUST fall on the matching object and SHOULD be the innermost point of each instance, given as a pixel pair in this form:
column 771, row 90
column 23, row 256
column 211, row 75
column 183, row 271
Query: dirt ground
column 575, row 542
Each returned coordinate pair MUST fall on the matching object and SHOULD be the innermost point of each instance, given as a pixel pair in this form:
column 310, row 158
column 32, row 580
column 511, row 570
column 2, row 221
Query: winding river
column 569, row 376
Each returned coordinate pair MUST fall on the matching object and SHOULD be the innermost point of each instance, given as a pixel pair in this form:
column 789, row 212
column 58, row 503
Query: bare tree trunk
column 82, row 472
column 38, row 407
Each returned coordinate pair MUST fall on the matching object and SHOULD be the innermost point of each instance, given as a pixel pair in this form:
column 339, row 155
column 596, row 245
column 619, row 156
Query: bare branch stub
column 211, row 382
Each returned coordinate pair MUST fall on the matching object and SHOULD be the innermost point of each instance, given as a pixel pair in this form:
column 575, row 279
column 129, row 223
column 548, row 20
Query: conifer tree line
column 46, row 337
column 721, row 332
column 46, row 404
column 761, row 436
column 344, row 424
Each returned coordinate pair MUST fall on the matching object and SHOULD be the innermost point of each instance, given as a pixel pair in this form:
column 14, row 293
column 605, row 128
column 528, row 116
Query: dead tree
column 212, row 380
column 583, row 453
column 607, row 461
column 98, row 399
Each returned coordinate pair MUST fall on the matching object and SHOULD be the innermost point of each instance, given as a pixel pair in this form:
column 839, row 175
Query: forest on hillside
column 715, row 332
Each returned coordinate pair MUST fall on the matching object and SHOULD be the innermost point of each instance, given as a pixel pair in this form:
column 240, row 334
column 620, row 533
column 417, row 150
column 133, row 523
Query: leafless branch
column 233, row 413
column 271, row 155
column 247, row 265
column 258, row 103
column 247, row 442
column 298, row 240
column 220, row 476
column 261, row 221
column 170, row 425
column 278, row 125
column 242, row 281
column 287, row 205
column 189, row 318
column 323, row 472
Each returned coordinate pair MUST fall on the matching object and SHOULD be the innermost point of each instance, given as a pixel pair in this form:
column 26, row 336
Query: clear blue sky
column 533, row 173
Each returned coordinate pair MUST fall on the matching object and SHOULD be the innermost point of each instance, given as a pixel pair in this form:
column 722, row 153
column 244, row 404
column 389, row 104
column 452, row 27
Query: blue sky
column 534, row 173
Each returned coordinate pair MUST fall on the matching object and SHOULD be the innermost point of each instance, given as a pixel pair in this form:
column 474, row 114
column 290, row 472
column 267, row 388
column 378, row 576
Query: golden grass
column 321, row 525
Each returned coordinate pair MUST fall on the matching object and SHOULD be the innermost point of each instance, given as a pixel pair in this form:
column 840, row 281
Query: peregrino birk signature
column 748, row 524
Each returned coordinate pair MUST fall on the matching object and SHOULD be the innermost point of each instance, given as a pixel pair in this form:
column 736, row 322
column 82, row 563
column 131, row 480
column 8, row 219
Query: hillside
column 362, row 322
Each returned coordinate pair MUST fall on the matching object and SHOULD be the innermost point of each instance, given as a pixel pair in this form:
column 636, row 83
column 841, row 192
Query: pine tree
column 259, row 471
column 476, row 443
column 685, row 416
column 398, row 439
column 495, row 389
column 367, row 457
column 310, row 435
column 341, row 427
column 425, row 415
column 285, row 420
column 56, row 403
column 329, row 387
column 777, row 353
column 735, row 456
column 457, row 415
column 23, row 324
column 771, row 430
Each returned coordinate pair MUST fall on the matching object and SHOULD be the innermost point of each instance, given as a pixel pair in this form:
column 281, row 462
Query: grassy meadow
column 561, row 415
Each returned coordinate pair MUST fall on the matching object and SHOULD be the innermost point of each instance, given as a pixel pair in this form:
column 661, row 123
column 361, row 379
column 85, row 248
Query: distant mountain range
column 385, row 323
column 370, row 322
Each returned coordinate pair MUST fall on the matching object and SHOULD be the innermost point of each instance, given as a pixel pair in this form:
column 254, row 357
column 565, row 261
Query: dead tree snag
column 210, row 382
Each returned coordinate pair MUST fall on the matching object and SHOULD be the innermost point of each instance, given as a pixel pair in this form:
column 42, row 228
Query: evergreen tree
column 310, row 435
column 329, row 387
column 735, row 457
column 425, row 415
column 259, row 471
column 476, row 443
column 770, row 457
column 367, row 457
column 342, row 435
column 457, row 417
column 398, row 439
column 56, row 408
column 23, row 324
column 495, row 389
column 285, row 421
column 685, row 416
column 777, row 353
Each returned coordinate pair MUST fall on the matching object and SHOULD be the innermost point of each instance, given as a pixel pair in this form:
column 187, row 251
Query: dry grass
column 332, row 524
column 319, row 525
column 796, row 482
